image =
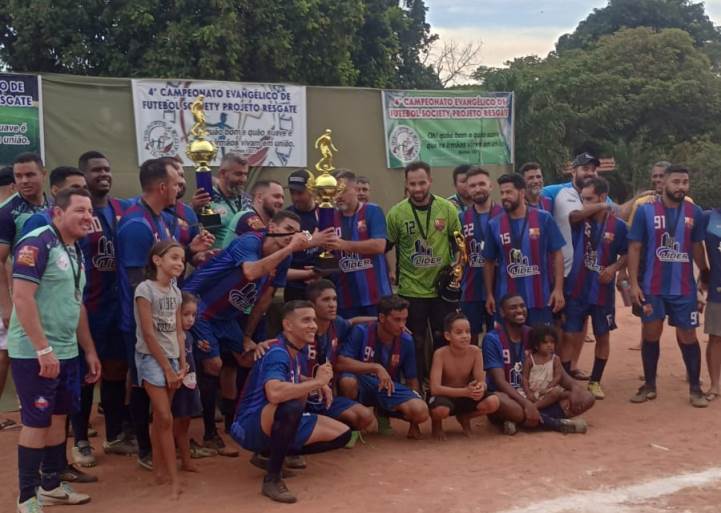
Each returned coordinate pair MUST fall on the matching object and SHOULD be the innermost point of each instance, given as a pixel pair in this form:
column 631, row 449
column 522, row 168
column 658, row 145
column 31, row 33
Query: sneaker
column 573, row 426
column 384, row 424
column 197, row 451
column 120, row 446
column 295, row 461
column 82, row 454
column 63, row 494
column 596, row 391
column 260, row 461
column 218, row 444
column 146, row 462
column 509, row 428
column 698, row 400
column 73, row 474
column 645, row 393
column 355, row 437
column 276, row 490
column 30, row 506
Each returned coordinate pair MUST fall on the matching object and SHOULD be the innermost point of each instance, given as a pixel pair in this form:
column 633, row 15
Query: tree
column 453, row 61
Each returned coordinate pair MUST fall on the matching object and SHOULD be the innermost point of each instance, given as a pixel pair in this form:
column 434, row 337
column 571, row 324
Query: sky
column 514, row 28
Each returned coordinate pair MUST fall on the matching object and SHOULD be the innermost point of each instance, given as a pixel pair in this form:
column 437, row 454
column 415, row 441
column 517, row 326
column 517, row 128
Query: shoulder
column 443, row 203
column 373, row 208
column 398, row 209
column 491, row 338
column 40, row 236
column 10, row 203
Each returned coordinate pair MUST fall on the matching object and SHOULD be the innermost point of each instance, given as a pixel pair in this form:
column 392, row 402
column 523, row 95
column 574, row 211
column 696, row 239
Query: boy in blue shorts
column 271, row 417
column 373, row 361
column 671, row 233
column 599, row 249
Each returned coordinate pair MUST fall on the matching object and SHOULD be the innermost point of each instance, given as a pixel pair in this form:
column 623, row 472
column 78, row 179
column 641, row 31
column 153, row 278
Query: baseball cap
column 585, row 158
column 298, row 180
column 6, row 176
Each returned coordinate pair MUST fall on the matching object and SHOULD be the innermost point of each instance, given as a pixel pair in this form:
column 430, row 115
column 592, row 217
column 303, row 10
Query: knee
column 212, row 366
column 418, row 411
column 365, row 418
column 440, row 412
column 163, row 420
column 489, row 405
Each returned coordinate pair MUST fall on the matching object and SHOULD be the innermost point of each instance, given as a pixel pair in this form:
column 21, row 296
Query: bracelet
column 43, row 352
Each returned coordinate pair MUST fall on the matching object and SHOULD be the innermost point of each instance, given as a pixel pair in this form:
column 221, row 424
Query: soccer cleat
column 645, row 393
column 573, row 426
column 355, row 437
column 295, row 461
column 197, row 451
column 276, row 490
column 82, row 454
column 698, row 400
column 260, row 461
column 73, row 474
column 509, row 428
column 596, row 391
column 62, row 495
column 32, row 505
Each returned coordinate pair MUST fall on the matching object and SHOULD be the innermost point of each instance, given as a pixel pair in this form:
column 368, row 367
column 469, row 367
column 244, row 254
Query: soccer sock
column 336, row 443
column 53, row 463
column 550, row 423
column 140, row 414
column 81, row 418
column 599, row 364
column 112, row 395
column 227, row 408
column 650, row 351
column 29, row 462
column 567, row 366
column 208, row 386
column 285, row 424
column 692, row 358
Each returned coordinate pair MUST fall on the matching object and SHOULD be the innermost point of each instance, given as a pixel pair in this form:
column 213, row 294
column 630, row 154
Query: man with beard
column 268, row 198
column 523, row 241
column 422, row 227
column 670, row 232
column 533, row 176
column 475, row 230
column 181, row 218
column 504, row 352
column 461, row 199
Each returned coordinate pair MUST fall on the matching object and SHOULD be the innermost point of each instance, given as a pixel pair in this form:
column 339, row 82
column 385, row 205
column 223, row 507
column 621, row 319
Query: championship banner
column 264, row 122
column 448, row 128
column 21, row 116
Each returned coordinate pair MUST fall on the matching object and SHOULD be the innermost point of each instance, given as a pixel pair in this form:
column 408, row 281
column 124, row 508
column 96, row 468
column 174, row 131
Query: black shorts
column 456, row 405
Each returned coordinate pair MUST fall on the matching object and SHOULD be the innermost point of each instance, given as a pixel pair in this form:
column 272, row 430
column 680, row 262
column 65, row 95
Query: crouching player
column 457, row 383
column 374, row 358
column 271, row 419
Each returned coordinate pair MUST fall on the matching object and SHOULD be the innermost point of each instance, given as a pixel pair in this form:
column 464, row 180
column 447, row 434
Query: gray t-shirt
column 164, row 305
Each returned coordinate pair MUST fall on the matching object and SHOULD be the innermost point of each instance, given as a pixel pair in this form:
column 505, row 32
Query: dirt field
column 661, row 456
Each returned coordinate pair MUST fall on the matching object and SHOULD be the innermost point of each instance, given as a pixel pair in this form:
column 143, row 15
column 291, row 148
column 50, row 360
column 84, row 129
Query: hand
column 202, row 242
column 204, row 256
column 299, row 242
column 313, row 275
column 324, row 373
column 700, row 304
column 172, row 379
column 384, row 380
column 200, row 199
column 94, row 368
column 248, row 344
column 337, row 244
column 260, row 349
column 637, row 296
column 49, row 366
column 606, row 276
column 184, row 369
column 323, row 238
column 327, row 394
column 491, row 305
column 532, row 414
column 557, row 301
column 203, row 345
column 474, row 391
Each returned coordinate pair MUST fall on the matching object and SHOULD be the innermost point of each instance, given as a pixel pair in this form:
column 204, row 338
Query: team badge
column 183, row 224
column 255, row 223
column 362, row 226
column 440, row 224
column 41, row 403
column 688, row 221
column 534, row 233
column 27, row 255
column 609, row 236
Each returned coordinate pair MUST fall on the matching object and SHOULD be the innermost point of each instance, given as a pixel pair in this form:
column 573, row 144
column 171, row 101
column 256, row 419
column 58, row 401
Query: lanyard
column 76, row 270
column 424, row 234
column 679, row 216
column 158, row 217
column 596, row 240
column 230, row 204
column 517, row 241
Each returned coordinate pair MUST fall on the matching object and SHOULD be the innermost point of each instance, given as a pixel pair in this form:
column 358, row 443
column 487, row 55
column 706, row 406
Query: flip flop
column 711, row 396
column 7, row 424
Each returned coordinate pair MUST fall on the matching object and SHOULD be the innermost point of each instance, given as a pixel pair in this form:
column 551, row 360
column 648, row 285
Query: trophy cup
column 325, row 187
column 450, row 284
column 202, row 151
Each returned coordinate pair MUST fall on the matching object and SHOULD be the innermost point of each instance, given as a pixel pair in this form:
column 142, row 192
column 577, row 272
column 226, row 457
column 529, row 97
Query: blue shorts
column 358, row 311
column 481, row 321
column 540, row 316
column 223, row 337
column 603, row 317
column 150, row 370
column 247, row 431
column 186, row 402
column 41, row 398
column 369, row 395
column 336, row 409
column 109, row 342
column 682, row 311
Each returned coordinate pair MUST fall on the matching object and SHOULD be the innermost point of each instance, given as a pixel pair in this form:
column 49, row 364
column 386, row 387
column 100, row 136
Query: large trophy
column 325, row 188
column 202, row 151
column 449, row 282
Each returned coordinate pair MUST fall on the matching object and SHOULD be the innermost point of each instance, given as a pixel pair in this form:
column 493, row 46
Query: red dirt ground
column 626, row 444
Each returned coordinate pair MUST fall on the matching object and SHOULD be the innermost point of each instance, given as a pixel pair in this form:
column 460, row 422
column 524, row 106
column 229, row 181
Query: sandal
column 7, row 424
column 579, row 375
column 711, row 396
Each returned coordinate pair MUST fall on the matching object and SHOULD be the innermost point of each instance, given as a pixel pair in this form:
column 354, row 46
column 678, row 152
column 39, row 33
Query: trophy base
column 451, row 294
column 210, row 221
column 325, row 266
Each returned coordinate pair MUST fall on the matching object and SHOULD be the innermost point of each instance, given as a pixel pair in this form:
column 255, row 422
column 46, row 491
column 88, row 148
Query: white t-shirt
column 567, row 200
column 164, row 305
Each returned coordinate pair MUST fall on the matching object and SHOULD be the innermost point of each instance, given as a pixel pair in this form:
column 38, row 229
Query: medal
column 77, row 271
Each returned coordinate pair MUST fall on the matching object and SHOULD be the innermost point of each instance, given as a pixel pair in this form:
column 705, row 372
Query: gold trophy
column 202, row 151
column 325, row 188
column 450, row 285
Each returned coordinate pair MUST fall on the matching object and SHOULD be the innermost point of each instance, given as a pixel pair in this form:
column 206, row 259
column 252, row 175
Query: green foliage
column 322, row 42
column 703, row 157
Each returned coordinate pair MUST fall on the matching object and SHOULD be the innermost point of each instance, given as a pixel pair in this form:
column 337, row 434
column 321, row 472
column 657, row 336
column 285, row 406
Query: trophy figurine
column 202, row 151
column 325, row 188
column 450, row 285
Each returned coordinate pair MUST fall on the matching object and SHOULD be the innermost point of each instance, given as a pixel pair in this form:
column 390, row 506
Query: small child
column 457, row 383
column 542, row 370
column 186, row 402
column 160, row 350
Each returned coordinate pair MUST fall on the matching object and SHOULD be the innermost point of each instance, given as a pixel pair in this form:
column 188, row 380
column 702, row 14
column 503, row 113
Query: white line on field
column 616, row 500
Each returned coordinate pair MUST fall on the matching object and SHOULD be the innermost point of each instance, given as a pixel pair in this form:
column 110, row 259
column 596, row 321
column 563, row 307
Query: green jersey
column 423, row 236
column 227, row 207
column 247, row 220
column 58, row 271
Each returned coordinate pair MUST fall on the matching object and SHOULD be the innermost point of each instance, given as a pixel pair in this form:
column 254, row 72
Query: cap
column 6, row 176
column 298, row 180
column 585, row 158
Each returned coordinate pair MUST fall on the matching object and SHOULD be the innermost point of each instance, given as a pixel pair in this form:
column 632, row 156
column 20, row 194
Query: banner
column 21, row 116
column 448, row 128
column 264, row 122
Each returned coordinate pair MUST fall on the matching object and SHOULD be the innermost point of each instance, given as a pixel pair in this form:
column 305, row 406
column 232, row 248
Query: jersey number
column 312, row 352
column 368, row 354
column 505, row 238
column 659, row 222
column 468, row 230
column 410, row 227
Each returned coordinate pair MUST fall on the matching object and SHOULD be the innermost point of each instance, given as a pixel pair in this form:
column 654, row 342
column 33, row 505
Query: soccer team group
column 173, row 320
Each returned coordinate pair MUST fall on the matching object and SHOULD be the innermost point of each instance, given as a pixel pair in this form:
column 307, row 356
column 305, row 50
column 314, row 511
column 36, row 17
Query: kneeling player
column 271, row 418
column 457, row 383
column 374, row 358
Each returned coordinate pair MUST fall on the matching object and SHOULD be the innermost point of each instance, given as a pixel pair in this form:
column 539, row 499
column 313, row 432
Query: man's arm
column 278, row 391
column 364, row 247
column 627, row 209
column 85, row 341
column 347, row 364
column 256, row 314
column 557, row 300
column 632, row 261
column 29, row 318
column 6, row 304
column 489, row 268
column 504, row 386
column 254, row 270
column 587, row 211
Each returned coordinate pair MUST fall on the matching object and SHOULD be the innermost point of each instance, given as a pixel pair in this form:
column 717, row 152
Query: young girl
column 542, row 369
column 160, row 350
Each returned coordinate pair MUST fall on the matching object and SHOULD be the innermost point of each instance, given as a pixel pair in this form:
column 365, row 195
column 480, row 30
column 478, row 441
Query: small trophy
column 450, row 288
column 202, row 151
column 325, row 188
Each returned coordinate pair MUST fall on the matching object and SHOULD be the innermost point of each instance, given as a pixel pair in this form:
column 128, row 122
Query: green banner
column 20, row 116
column 448, row 128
